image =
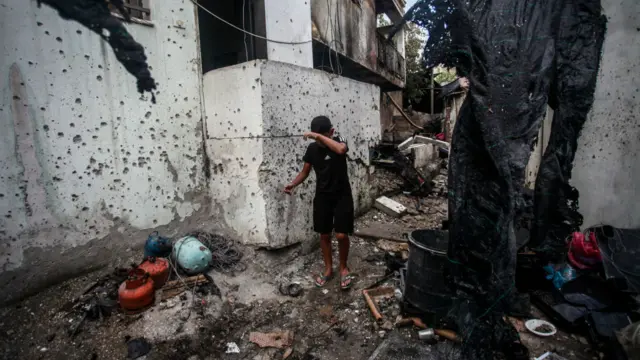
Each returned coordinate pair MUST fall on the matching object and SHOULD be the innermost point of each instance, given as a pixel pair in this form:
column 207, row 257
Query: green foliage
column 382, row 21
column 445, row 77
column 418, row 78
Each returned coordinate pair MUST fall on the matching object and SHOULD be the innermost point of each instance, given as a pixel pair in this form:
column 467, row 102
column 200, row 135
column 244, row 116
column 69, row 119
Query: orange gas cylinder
column 158, row 268
column 136, row 292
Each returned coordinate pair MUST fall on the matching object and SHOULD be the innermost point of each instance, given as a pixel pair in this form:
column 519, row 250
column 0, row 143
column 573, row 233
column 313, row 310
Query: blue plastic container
column 157, row 246
column 192, row 256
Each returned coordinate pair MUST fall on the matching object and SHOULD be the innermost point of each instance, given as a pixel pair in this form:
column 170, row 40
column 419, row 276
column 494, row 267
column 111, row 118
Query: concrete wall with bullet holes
column 607, row 165
column 289, row 21
column 254, row 126
column 87, row 166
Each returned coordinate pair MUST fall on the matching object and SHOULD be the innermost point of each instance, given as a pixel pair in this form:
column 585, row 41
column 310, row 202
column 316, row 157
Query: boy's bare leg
column 343, row 251
column 325, row 245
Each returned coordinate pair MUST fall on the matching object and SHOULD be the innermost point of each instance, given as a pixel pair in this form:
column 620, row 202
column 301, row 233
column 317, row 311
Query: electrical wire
column 248, row 32
column 244, row 35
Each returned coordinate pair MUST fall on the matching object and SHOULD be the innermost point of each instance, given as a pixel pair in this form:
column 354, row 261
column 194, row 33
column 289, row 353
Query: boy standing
column 333, row 203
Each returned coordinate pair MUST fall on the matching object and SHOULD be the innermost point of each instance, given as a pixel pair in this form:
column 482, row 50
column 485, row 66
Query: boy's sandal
column 346, row 281
column 321, row 280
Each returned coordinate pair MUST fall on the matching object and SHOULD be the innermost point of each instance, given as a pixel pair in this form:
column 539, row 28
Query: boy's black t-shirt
column 330, row 169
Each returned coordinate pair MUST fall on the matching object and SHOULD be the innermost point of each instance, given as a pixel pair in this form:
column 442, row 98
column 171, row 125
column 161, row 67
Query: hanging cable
column 248, row 32
column 244, row 36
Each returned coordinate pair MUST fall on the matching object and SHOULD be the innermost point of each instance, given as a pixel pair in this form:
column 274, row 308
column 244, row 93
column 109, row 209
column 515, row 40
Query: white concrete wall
column 83, row 156
column 289, row 21
column 256, row 147
column 606, row 170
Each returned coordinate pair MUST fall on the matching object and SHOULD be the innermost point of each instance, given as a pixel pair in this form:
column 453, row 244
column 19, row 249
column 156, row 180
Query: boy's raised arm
column 336, row 147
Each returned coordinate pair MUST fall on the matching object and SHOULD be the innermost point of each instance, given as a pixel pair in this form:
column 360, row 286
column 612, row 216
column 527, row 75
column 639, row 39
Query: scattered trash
column 326, row 312
column 391, row 246
column 426, row 334
column 388, row 232
column 43, row 349
column 226, row 257
column 417, row 322
column 137, row 292
column 540, row 327
column 158, row 269
column 560, row 274
column 157, row 246
column 387, row 325
column 517, row 324
column 325, row 291
column 137, row 348
column 370, row 297
column 192, row 256
column 293, row 289
column 232, row 348
column 430, row 334
column 629, row 339
column 177, row 287
column 550, row 356
column 583, row 251
column 287, row 353
column 278, row 340
column 389, row 157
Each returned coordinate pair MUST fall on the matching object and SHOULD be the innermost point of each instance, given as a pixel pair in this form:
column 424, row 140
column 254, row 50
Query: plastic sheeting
column 519, row 56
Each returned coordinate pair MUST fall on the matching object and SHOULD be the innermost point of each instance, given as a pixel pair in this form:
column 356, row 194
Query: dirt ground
column 326, row 323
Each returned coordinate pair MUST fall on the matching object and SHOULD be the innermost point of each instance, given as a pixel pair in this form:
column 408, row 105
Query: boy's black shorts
column 333, row 212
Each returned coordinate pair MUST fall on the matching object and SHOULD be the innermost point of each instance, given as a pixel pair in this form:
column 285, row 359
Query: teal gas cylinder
column 192, row 256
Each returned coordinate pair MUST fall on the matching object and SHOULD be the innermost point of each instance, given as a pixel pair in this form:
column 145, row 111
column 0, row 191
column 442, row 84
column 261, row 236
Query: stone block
column 390, row 207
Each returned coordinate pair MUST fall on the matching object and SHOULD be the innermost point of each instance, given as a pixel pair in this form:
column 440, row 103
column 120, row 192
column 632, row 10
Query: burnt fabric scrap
column 96, row 16
column 518, row 55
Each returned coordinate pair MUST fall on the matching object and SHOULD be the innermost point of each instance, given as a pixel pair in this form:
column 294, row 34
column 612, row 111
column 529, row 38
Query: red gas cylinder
column 158, row 268
column 136, row 292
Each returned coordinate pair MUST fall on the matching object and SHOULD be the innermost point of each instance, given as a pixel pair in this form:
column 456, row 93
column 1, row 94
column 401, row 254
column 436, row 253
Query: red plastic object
column 136, row 293
column 158, row 269
column 584, row 253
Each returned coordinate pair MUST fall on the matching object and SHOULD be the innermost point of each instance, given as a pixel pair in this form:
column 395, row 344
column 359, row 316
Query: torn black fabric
column 96, row 16
column 508, row 49
column 577, row 62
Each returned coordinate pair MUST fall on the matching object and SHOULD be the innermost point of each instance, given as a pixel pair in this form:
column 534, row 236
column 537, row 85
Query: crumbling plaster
column 84, row 158
column 254, row 128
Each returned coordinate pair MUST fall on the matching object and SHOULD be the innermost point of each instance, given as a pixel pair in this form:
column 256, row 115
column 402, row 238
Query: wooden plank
column 389, row 232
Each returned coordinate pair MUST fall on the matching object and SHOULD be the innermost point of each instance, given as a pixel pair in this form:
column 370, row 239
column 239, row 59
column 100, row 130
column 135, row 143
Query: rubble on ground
column 270, row 292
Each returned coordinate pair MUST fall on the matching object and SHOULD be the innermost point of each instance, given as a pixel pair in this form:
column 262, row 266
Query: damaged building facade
column 90, row 167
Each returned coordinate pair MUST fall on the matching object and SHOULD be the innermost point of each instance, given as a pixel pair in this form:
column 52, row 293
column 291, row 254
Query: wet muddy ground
column 327, row 323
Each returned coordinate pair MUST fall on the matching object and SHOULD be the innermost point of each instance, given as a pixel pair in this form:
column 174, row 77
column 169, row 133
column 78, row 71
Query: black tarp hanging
column 518, row 56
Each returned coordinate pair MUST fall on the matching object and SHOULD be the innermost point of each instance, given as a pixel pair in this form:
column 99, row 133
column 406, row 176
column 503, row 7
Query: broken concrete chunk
column 418, row 139
column 405, row 144
column 390, row 207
